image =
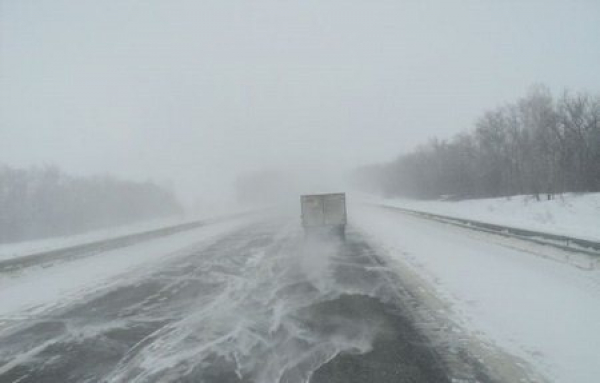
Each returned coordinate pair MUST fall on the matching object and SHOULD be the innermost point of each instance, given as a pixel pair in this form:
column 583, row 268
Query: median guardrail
column 91, row 248
column 95, row 247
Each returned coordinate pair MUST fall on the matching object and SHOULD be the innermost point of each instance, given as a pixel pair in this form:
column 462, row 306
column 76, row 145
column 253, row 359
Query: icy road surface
column 251, row 301
column 260, row 304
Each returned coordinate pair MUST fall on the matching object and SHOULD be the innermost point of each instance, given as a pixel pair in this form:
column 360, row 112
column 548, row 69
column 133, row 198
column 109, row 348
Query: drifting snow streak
column 261, row 305
column 255, row 315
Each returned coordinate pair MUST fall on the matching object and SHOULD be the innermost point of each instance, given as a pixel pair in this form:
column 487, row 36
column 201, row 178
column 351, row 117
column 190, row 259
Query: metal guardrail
column 95, row 247
column 559, row 241
column 92, row 248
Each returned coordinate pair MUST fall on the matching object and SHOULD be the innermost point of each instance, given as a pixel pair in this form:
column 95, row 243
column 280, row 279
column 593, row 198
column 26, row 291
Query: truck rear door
column 335, row 209
column 313, row 212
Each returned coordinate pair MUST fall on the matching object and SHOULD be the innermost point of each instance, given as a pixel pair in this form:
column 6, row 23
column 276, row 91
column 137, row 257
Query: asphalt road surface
column 262, row 304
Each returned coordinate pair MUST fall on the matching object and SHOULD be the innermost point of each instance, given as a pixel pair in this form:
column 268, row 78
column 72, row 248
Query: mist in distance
column 206, row 99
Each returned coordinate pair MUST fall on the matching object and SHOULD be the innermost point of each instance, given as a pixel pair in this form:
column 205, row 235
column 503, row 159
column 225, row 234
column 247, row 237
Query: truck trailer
column 324, row 214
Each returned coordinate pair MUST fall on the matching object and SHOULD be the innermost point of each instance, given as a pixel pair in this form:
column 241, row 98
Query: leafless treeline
column 42, row 202
column 538, row 145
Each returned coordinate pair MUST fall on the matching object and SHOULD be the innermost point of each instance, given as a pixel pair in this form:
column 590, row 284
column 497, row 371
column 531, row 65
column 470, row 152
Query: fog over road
column 261, row 304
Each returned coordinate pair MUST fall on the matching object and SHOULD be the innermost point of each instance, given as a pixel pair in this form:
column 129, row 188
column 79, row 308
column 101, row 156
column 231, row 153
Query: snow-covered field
column 545, row 312
column 576, row 215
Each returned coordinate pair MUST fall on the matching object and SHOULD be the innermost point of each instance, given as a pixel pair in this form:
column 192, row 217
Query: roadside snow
column 35, row 289
column 19, row 249
column 545, row 312
column 575, row 215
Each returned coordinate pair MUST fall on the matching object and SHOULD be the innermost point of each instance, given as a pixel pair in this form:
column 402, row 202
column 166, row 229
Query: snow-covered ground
column 18, row 249
column 36, row 289
column 24, row 248
column 576, row 215
column 542, row 311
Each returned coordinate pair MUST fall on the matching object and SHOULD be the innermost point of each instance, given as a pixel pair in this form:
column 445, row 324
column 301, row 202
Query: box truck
column 324, row 214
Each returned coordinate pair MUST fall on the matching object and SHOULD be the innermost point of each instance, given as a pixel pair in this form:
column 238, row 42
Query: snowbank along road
column 246, row 301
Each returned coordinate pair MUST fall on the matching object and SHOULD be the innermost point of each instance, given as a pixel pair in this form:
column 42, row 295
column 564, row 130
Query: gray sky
column 194, row 92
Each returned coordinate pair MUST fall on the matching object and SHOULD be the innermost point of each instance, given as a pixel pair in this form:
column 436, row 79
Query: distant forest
column 42, row 202
column 539, row 145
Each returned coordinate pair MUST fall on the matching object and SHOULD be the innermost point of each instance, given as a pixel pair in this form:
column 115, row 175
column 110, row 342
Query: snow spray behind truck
column 324, row 214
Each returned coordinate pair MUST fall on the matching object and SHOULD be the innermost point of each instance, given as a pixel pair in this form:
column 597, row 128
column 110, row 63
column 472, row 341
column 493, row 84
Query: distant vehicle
column 324, row 214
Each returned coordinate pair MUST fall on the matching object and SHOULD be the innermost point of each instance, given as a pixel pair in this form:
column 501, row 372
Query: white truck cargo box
column 323, row 212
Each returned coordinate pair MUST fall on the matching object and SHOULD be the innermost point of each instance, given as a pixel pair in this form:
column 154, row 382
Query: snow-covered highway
column 251, row 300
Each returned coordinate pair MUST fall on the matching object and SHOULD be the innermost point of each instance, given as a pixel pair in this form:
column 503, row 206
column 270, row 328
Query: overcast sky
column 195, row 92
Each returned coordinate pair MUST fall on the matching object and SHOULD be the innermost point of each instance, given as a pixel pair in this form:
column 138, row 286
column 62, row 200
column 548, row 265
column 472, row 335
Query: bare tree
column 37, row 203
column 537, row 145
